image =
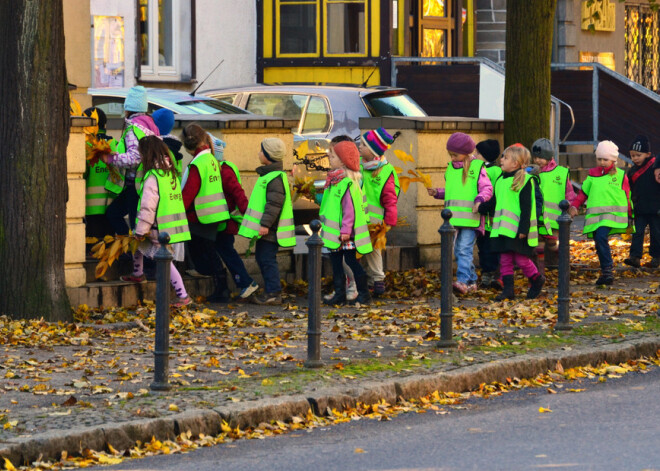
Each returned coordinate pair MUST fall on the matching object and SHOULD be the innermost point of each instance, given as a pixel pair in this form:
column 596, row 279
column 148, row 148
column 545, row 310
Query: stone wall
column 491, row 30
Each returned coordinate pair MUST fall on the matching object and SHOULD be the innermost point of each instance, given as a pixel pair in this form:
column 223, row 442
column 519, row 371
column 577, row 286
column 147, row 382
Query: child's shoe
column 460, row 288
column 605, row 279
column 268, row 298
column 654, row 263
column 632, row 262
column 180, row 302
column 486, row 279
column 507, row 290
column 248, row 290
column 351, row 291
column 536, row 284
column 497, row 284
column 472, row 287
column 379, row 288
column 134, row 279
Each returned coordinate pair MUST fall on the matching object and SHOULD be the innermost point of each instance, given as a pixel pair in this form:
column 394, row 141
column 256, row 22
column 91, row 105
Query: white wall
column 491, row 94
column 225, row 29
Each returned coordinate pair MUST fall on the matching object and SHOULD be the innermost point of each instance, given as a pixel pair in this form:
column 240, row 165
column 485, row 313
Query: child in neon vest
column 344, row 229
column 555, row 186
column 645, row 192
column 159, row 175
column 467, row 186
column 380, row 185
column 515, row 232
column 489, row 260
column 606, row 187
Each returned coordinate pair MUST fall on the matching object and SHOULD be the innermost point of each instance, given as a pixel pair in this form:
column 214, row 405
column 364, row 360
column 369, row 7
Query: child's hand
column 475, row 208
column 522, row 236
column 432, row 191
column 344, row 237
column 573, row 211
column 263, row 231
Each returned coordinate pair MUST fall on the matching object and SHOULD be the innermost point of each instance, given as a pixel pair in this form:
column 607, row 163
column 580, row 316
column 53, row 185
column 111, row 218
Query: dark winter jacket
column 234, row 195
column 645, row 190
column 174, row 145
column 275, row 196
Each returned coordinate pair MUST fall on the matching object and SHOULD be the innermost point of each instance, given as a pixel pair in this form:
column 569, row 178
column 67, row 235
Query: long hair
column 466, row 168
column 156, row 155
column 520, row 155
column 195, row 137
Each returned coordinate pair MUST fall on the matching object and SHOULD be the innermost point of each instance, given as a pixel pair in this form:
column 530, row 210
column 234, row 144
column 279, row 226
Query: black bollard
column 564, row 271
column 314, row 245
column 162, row 345
column 447, row 232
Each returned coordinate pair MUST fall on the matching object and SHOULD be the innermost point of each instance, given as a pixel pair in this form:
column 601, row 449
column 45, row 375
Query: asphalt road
column 611, row 426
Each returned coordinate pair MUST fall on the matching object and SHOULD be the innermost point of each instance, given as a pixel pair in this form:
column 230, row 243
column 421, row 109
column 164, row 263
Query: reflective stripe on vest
column 459, row 196
column 607, row 204
column 506, row 220
column 118, row 186
column 553, row 187
column 210, row 203
column 251, row 224
column 372, row 188
column 331, row 216
column 171, row 214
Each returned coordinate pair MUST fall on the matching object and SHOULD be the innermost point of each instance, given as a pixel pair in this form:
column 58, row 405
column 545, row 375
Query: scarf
column 643, row 169
column 334, row 177
column 374, row 164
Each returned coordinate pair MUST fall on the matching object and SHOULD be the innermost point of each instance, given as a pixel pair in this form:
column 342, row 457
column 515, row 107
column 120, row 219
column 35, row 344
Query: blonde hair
column 520, row 154
column 356, row 177
column 467, row 161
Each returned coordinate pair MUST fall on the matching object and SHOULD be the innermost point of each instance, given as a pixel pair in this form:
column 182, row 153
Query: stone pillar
column 491, row 30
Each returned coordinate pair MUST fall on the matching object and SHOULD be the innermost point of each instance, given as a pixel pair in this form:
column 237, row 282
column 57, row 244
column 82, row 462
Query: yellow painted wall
column 356, row 75
column 77, row 37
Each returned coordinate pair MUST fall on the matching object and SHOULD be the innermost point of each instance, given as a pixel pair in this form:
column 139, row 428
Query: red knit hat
column 348, row 153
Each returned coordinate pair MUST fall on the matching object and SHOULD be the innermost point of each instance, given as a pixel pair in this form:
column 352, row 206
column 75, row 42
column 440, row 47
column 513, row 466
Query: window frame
column 326, row 29
column 278, row 23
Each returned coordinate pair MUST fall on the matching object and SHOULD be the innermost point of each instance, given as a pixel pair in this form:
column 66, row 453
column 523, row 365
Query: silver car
column 322, row 111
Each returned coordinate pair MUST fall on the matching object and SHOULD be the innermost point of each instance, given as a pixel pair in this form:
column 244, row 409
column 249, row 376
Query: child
column 646, row 200
column 608, row 205
column 515, row 233
column 206, row 206
column 380, row 185
column 237, row 203
column 489, row 151
column 164, row 120
column 160, row 209
column 344, row 229
column 467, row 186
column 269, row 217
column 555, row 187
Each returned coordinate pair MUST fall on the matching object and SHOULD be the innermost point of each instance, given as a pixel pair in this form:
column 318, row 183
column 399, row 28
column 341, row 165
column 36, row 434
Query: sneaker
column 486, row 279
column 328, row 297
column 632, row 262
column 497, row 284
column 379, row 288
column 654, row 263
column 460, row 288
column 134, row 279
column 351, row 292
column 180, row 302
column 248, row 290
column 268, row 298
column 605, row 280
column 472, row 287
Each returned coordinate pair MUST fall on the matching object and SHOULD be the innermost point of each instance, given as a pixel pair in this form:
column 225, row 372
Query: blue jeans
column 224, row 245
column 266, row 255
column 600, row 236
column 464, row 249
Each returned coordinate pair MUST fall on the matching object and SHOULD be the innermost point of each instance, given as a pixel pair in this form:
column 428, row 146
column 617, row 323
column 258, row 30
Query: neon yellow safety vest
column 372, row 187
column 251, row 224
column 553, row 187
column 507, row 211
column 493, row 173
column 332, row 216
column 97, row 198
column 171, row 214
column 117, row 186
column 607, row 204
column 210, row 202
column 235, row 215
column 459, row 196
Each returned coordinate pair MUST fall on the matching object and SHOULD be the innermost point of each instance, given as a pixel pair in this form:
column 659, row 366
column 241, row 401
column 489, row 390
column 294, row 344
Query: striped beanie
column 378, row 141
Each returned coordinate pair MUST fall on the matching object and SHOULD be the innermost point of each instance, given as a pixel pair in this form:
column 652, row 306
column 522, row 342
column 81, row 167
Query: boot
column 507, row 291
column 339, row 297
column 654, row 263
column 363, row 297
column 606, row 277
column 633, row 261
column 221, row 290
column 536, row 283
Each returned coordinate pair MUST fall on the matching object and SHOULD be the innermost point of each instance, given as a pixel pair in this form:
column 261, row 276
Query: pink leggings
column 508, row 260
column 175, row 276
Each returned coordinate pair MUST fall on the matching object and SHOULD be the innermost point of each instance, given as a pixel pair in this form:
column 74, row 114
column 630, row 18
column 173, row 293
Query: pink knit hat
column 460, row 143
column 607, row 150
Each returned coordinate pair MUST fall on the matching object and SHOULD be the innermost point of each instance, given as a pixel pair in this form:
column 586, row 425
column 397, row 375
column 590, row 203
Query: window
column 297, row 31
column 435, row 26
column 317, row 116
column 281, row 105
column 346, row 24
column 164, row 45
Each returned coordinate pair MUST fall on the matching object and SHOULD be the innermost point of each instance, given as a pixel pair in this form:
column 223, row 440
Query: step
column 114, row 271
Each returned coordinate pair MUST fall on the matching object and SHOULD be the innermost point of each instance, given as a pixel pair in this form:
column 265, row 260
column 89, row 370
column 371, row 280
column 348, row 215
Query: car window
column 279, row 105
column 112, row 106
column 317, row 117
column 226, row 98
column 210, row 107
column 392, row 105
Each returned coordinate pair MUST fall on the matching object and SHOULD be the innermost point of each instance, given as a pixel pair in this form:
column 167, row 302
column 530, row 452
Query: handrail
column 461, row 60
column 570, row 110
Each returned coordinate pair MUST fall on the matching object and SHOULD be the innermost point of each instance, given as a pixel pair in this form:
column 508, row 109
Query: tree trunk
column 529, row 27
column 34, row 132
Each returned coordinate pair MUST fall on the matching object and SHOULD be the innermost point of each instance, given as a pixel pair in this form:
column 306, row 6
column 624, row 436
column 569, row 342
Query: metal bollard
column 447, row 232
column 564, row 271
column 162, row 345
column 314, row 245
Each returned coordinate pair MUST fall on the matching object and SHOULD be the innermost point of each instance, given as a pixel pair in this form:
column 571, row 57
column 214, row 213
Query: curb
column 122, row 436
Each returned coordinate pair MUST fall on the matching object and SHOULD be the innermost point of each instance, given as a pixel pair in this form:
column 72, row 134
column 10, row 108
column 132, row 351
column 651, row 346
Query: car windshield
column 211, row 107
column 392, row 105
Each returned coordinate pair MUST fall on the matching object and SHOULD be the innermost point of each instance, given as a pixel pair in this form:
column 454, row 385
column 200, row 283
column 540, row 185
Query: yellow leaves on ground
column 543, row 410
column 359, row 450
column 9, row 466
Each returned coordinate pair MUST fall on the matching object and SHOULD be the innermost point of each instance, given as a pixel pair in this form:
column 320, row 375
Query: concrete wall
column 78, row 52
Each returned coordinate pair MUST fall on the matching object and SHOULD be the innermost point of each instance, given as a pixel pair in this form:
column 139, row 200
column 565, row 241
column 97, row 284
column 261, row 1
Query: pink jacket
column 146, row 218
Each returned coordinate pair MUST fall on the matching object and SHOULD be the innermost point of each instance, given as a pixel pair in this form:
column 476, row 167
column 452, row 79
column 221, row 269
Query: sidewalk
column 71, row 387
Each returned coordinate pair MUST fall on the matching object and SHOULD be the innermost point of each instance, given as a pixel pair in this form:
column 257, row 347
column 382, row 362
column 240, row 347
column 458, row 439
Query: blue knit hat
column 218, row 147
column 164, row 119
column 136, row 100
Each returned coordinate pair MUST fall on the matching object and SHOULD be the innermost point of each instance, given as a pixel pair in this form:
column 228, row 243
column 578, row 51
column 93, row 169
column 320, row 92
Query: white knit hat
column 607, row 150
